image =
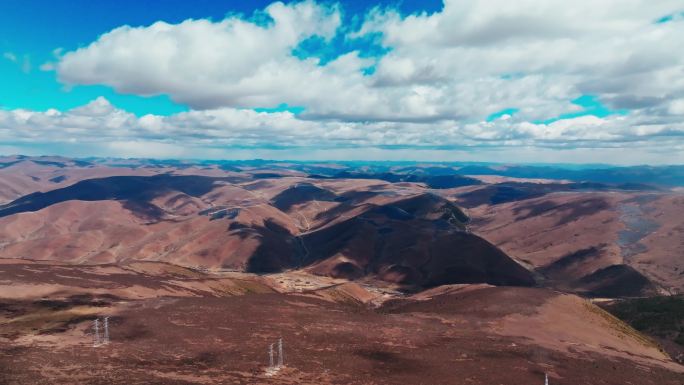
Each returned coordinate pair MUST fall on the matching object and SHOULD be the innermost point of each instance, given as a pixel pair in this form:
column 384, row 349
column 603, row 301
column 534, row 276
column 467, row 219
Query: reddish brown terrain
column 631, row 241
column 372, row 274
column 171, row 325
column 342, row 228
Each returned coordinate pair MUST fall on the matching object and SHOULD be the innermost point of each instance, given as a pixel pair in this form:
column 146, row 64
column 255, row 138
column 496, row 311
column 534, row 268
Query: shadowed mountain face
column 416, row 241
column 409, row 251
column 419, row 240
column 301, row 193
column 278, row 249
column 438, row 181
column 616, row 281
column 499, row 193
column 137, row 190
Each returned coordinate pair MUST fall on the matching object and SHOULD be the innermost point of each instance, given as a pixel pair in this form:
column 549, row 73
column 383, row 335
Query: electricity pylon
column 96, row 342
column 106, row 330
column 280, row 352
column 270, row 356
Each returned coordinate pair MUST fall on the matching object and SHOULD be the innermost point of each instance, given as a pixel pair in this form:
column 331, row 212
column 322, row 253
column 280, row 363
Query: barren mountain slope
column 349, row 229
column 173, row 325
column 568, row 236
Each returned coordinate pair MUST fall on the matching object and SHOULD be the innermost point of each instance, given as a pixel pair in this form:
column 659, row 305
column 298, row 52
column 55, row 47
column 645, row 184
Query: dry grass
column 622, row 327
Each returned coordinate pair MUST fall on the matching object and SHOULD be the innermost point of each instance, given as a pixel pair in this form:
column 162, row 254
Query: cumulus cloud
column 100, row 126
column 612, row 49
column 433, row 88
column 206, row 64
column 470, row 60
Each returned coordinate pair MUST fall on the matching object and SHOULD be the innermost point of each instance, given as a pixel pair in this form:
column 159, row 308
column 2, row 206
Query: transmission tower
column 280, row 352
column 270, row 356
column 106, row 330
column 96, row 326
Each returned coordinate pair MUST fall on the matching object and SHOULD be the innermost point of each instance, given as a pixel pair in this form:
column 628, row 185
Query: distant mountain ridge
column 666, row 175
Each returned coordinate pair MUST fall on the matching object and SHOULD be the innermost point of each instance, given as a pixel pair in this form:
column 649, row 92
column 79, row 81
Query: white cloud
column 608, row 48
column 24, row 63
column 99, row 128
column 233, row 62
column 10, row 56
column 47, row 66
column 470, row 60
column 145, row 149
column 428, row 97
column 677, row 107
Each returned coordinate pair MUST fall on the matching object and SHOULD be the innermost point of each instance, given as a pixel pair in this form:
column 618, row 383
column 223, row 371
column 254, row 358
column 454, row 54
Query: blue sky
column 32, row 30
column 481, row 80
